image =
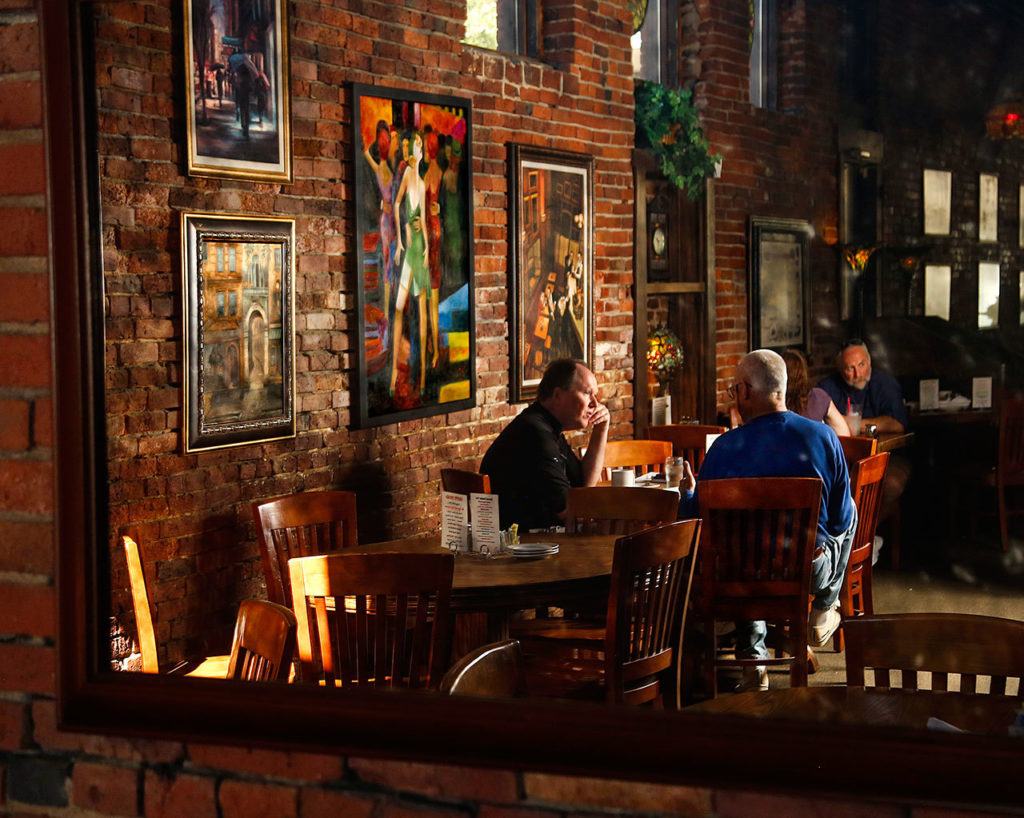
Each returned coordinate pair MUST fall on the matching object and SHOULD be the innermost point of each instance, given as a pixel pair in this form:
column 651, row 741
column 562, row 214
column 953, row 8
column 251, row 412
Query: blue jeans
column 828, row 570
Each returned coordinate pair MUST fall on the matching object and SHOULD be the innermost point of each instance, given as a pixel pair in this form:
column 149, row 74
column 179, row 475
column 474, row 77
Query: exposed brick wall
column 190, row 514
column 776, row 163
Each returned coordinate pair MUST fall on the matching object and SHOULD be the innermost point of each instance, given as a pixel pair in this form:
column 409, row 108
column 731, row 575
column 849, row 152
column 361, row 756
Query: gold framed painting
column 237, row 89
column 238, row 275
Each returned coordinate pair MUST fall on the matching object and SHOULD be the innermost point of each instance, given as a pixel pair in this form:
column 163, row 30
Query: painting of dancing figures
column 551, row 262
column 238, row 120
column 414, row 237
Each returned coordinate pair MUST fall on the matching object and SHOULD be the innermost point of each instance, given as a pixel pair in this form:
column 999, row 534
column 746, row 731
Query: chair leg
column 798, row 670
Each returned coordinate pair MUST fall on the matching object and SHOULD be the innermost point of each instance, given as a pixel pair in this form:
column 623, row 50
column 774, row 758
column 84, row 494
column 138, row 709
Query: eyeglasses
column 732, row 390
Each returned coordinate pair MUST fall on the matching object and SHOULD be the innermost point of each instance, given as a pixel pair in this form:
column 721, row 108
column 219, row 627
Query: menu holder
column 483, row 511
column 454, row 521
column 981, row 392
column 928, row 394
column 661, row 410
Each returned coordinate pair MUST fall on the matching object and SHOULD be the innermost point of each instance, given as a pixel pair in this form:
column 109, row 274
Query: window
column 220, row 259
column 646, row 39
column 232, row 303
column 231, row 259
column 764, row 54
column 220, row 304
column 512, row 26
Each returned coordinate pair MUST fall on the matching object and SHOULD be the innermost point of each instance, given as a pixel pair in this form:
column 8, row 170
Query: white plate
column 533, row 549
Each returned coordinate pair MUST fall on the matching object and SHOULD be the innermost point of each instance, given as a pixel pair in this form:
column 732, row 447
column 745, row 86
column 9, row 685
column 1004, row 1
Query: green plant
column 667, row 120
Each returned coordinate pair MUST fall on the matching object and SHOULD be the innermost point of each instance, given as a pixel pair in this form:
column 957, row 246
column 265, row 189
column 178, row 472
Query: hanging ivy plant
column 667, row 121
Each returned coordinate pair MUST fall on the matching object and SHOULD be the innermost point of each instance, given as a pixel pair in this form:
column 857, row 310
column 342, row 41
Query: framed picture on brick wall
column 551, row 265
column 414, row 254
column 238, row 280
column 238, row 115
column 779, row 290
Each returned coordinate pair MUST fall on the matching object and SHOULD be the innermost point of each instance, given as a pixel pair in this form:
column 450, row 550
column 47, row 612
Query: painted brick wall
column 191, row 514
column 44, row 771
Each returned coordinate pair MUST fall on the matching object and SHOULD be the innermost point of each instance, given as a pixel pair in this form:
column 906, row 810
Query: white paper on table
column 981, row 393
column 661, row 410
column 708, row 440
column 454, row 521
column 483, row 511
column 928, row 396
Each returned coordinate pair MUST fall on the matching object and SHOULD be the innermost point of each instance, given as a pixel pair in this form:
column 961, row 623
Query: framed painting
column 938, row 197
column 414, row 240
column 778, row 283
column 988, row 207
column 551, row 265
column 238, row 281
column 237, row 90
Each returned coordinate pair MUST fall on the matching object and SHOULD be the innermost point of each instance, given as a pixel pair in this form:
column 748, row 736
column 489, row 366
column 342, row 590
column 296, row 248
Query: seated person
column 854, row 386
column 775, row 443
column 531, row 465
column 812, row 403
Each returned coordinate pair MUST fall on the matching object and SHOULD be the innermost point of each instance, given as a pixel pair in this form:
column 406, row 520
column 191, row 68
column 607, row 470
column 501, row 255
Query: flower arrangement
column 664, row 354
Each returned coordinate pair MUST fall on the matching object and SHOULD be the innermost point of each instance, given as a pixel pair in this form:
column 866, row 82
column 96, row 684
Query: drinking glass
column 853, row 420
column 674, row 471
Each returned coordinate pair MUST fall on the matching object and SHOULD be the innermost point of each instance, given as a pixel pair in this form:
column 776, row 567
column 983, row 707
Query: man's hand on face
column 599, row 416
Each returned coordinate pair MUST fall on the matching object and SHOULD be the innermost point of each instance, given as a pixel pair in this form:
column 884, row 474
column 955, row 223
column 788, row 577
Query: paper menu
column 483, row 511
column 661, row 410
column 981, row 393
column 454, row 521
column 928, row 396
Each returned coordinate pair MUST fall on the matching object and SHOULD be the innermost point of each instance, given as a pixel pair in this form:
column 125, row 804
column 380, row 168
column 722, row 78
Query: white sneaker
column 822, row 626
column 754, row 678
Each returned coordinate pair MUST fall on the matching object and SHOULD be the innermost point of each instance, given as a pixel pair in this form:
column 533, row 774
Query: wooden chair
column 855, row 599
column 759, row 539
column 639, row 649
column 618, row 509
column 938, row 644
column 856, row 448
column 461, row 481
column 301, row 525
column 493, row 671
column 687, row 440
column 641, row 455
column 210, row 667
column 1009, row 472
column 378, row 620
column 264, row 643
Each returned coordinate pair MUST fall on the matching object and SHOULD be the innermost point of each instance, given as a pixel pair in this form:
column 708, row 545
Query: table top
column 582, row 567
column 857, row 705
column 887, row 441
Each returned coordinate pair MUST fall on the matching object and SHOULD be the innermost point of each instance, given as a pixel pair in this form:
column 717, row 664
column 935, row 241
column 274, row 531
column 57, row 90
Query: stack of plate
column 533, row 549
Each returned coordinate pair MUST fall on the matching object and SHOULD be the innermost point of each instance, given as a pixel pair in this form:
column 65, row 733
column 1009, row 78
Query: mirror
column 94, row 492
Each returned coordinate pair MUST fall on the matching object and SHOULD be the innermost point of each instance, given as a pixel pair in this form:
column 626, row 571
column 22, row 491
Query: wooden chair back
column 493, row 671
column 465, row 482
column 856, row 448
column 939, row 644
column 687, row 441
column 301, row 525
column 759, row 539
column 652, row 572
column 640, row 455
column 264, row 643
column 140, row 605
column 378, row 620
column 618, row 509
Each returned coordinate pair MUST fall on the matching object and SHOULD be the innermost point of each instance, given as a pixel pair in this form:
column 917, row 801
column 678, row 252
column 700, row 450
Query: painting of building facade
column 238, row 114
column 414, row 234
column 551, row 265
column 238, row 316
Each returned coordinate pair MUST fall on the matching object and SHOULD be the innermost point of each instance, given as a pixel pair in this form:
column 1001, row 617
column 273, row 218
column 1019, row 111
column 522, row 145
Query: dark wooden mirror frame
column 879, row 763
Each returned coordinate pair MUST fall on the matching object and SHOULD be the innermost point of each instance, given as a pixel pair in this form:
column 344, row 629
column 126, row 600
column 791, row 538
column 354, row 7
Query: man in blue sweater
column 775, row 443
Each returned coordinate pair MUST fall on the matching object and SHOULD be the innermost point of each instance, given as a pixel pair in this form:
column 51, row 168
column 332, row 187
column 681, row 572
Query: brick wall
column 44, row 771
column 779, row 163
column 190, row 514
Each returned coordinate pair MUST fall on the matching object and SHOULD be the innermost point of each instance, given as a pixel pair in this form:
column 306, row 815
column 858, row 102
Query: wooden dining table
column 972, row 713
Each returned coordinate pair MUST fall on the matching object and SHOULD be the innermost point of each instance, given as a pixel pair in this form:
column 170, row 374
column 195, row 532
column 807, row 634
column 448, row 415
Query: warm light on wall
column 1005, row 121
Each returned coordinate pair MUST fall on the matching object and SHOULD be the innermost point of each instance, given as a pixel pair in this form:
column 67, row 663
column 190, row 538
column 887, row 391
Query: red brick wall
column 44, row 771
column 191, row 514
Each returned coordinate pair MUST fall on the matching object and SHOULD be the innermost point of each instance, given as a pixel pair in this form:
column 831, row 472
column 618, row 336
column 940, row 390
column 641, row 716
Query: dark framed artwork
column 238, row 281
column 551, row 265
column 414, row 240
column 238, row 116
column 778, row 283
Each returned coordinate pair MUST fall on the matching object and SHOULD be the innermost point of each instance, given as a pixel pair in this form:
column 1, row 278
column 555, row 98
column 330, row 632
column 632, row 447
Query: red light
column 1011, row 118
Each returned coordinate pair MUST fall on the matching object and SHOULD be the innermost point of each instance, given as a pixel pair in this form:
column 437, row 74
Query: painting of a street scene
column 552, row 262
column 414, row 234
column 240, row 349
column 238, row 96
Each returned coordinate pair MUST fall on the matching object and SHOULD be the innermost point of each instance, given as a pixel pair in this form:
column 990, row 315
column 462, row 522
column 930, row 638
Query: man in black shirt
column 531, row 465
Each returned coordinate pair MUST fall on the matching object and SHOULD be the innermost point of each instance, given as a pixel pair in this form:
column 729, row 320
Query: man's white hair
column 765, row 371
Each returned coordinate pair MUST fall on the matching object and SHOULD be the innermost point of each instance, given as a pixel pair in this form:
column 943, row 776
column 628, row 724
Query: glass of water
column 673, row 471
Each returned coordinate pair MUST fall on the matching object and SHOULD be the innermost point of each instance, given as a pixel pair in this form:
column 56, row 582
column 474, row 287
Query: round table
column 857, row 705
